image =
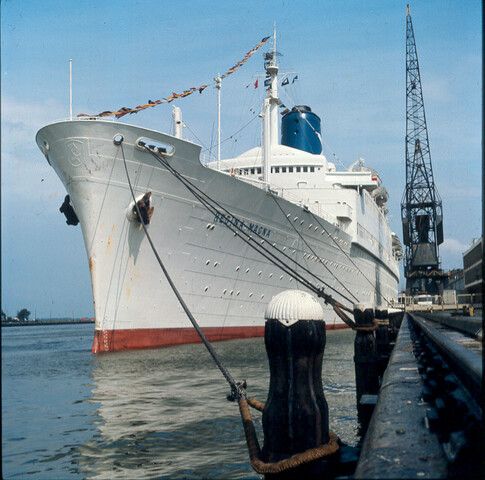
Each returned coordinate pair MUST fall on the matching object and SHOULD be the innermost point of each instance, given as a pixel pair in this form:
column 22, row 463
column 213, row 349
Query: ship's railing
column 207, row 160
column 91, row 118
column 252, row 181
column 316, row 208
column 305, row 203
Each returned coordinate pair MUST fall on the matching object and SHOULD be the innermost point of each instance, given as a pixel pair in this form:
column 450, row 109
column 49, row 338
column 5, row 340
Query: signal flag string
column 125, row 110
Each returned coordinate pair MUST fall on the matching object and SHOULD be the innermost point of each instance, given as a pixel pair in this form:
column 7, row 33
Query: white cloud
column 437, row 88
column 29, row 183
column 453, row 246
column 27, row 179
column 22, row 119
column 451, row 252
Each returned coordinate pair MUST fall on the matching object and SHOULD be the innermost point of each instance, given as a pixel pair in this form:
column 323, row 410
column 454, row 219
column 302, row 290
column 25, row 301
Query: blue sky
column 350, row 58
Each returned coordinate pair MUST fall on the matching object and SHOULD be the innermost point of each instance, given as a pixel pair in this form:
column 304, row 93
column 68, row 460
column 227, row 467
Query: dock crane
column 421, row 206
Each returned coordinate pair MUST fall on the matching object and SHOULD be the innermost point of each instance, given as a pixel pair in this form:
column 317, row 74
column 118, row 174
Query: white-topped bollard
column 295, row 417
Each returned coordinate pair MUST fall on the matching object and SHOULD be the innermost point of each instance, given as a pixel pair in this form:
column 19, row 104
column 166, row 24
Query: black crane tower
column 421, row 208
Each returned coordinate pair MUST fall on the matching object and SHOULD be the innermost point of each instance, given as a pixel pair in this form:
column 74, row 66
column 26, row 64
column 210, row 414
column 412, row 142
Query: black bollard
column 366, row 359
column 295, row 417
column 383, row 347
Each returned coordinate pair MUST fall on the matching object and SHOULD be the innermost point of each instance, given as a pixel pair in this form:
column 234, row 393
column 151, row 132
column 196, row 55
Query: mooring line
column 311, row 249
column 377, row 290
column 236, row 389
column 205, row 200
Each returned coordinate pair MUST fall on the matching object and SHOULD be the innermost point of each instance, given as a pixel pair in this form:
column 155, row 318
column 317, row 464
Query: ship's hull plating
column 225, row 283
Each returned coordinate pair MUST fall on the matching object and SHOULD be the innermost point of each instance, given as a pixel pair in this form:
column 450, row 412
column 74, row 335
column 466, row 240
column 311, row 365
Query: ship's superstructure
column 329, row 225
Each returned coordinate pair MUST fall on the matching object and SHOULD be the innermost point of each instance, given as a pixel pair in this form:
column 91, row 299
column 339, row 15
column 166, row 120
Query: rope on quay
column 294, row 461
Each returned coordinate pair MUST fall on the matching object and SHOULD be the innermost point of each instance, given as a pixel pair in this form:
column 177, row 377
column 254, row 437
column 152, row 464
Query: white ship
column 329, row 226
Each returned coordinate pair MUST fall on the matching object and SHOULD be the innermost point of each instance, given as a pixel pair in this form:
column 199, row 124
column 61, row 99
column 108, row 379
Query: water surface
column 162, row 413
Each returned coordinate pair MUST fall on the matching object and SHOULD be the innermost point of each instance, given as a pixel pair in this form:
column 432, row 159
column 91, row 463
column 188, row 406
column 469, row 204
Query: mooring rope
column 377, row 290
column 236, row 389
column 311, row 249
column 350, row 259
column 248, row 238
column 294, row 461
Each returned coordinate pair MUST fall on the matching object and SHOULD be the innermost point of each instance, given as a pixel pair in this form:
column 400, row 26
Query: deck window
column 290, row 169
column 259, row 169
column 312, row 169
column 305, row 169
column 283, row 169
column 298, row 169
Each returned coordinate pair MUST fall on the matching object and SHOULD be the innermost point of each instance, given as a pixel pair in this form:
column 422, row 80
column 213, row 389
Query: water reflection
column 164, row 414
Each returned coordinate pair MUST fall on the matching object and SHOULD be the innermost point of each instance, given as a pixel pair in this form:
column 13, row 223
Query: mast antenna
column 70, row 89
column 270, row 108
column 218, row 86
column 274, row 38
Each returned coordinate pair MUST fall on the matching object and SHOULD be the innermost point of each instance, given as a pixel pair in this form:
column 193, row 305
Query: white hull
column 225, row 283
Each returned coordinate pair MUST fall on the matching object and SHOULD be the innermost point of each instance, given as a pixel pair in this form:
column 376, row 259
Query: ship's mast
column 272, row 70
column 270, row 110
column 218, row 86
column 70, row 89
column 177, row 122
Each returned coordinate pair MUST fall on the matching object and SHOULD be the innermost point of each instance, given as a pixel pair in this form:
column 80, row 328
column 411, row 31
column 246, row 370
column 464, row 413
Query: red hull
column 136, row 339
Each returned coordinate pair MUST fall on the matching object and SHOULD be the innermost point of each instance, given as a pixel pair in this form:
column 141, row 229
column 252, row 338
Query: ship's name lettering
column 253, row 227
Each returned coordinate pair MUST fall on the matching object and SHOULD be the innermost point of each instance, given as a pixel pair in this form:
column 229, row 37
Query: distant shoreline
column 46, row 322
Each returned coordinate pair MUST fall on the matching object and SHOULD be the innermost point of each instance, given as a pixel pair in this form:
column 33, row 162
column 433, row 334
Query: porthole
column 247, row 270
column 237, row 268
column 208, row 261
column 46, row 145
